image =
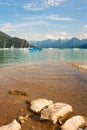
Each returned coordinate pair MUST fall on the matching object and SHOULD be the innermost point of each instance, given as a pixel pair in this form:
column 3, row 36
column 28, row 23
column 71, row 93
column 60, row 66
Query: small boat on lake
column 35, row 49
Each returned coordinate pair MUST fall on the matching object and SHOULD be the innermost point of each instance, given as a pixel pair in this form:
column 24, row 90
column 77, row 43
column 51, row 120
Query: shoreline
column 56, row 81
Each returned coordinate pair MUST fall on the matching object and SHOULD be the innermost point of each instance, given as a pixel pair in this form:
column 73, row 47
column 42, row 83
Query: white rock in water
column 22, row 119
column 56, row 112
column 74, row 123
column 38, row 104
column 14, row 125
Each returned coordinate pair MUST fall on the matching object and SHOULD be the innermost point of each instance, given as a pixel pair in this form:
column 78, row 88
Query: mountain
column 71, row 43
column 83, row 43
column 48, row 43
column 8, row 41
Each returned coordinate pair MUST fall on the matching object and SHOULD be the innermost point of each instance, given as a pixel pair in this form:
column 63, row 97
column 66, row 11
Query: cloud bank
column 41, row 4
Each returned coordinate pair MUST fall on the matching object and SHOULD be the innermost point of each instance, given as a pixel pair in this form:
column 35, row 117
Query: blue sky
column 44, row 19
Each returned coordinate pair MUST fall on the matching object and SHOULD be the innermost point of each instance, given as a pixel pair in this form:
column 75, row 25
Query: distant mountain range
column 72, row 43
column 8, row 41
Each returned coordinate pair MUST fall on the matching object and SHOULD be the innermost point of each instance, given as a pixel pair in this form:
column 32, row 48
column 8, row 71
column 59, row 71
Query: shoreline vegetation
column 54, row 81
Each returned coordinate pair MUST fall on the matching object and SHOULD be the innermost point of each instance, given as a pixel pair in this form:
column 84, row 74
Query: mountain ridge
column 59, row 43
column 8, row 41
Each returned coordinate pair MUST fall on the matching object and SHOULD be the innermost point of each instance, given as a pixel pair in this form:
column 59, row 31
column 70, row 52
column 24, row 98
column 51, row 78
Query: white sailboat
column 4, row 48
column 12, row 47
column 21, row 48
column 75, row 47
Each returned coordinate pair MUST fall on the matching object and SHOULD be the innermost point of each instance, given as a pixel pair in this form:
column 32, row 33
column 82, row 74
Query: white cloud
column 7, row 3
column 54, row 2
column 57, row 35
column 6, row 27
column 34, row 6
column 85, row 26
column 32, row 22
column 50, row 36
column 85, row 35
column 38, row 34
column 57, row 18
column 50, row 17
column 43, row 36
column 23, row 30
column 63, row 33
column 10, row 26
column 41, row 4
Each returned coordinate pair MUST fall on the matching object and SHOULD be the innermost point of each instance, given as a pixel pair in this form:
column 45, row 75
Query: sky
column 44, row 19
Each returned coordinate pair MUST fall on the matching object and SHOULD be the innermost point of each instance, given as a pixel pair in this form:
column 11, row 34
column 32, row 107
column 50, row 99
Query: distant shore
column 51, row 80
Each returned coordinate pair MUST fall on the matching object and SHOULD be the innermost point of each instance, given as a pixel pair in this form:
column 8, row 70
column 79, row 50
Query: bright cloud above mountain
column 85, row 26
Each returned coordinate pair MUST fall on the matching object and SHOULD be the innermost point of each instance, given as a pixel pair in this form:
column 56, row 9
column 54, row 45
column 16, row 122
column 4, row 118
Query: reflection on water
column 22, row 56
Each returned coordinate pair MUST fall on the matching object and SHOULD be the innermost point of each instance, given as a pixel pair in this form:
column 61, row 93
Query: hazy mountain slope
column 8, row 41
column 72, row 43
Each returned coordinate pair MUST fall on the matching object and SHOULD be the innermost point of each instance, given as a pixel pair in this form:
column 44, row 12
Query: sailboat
column 4, row 48
column 12, row 47
column 21, row 48
column 75, row 48
column 25, row 49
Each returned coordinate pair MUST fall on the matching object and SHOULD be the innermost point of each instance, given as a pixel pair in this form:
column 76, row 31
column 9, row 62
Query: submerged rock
column 56, row 112
column 38, row 104
column 17, row 92
column 14, row 125
column 74, row 123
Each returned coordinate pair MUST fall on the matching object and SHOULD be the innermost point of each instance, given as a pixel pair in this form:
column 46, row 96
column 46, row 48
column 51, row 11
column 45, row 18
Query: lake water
column 8, row 57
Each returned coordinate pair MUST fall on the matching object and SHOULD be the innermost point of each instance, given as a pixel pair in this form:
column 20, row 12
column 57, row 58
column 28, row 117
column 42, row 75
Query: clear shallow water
column 8, row 57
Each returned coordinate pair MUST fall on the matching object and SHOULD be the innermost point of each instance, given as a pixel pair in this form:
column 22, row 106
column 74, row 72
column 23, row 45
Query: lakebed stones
column 22, row 119
column 38, row 104
column 14, row 125
column 74, row 123
column 17, row 92
column 56, row 112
